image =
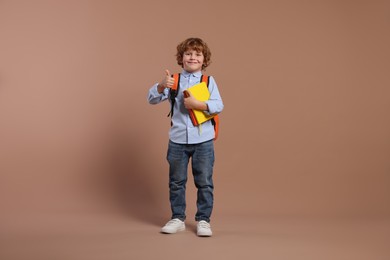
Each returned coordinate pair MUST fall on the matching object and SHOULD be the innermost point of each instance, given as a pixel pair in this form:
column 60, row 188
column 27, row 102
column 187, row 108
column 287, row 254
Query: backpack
column 173, row 93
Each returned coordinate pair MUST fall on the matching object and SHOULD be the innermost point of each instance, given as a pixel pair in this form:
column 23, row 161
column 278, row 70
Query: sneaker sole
column 204, row 234
column 173, row 232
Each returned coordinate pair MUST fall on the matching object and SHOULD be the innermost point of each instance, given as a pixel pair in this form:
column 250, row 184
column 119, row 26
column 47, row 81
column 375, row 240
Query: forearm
column 154, row 97
column 200, row 105
column 214, row 106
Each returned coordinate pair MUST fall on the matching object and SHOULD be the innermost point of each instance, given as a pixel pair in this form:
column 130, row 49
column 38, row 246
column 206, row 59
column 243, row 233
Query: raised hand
column 166, row 82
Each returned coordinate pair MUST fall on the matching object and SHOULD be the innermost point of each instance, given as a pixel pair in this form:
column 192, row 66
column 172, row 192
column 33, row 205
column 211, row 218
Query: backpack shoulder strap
column 176, row 77
column 205, row 79
column 173, row 92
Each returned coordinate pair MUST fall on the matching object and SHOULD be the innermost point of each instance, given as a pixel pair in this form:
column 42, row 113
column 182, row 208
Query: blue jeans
column 202, row 169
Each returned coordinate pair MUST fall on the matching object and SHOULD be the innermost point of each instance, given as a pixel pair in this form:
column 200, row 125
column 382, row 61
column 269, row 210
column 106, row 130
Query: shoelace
column 203, row 224
column 174, row 222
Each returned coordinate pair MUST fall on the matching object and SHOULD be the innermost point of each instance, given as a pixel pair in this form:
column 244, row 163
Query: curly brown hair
column 196, row 44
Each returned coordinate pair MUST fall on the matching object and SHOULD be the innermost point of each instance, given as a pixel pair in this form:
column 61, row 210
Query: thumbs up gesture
column 166, row 82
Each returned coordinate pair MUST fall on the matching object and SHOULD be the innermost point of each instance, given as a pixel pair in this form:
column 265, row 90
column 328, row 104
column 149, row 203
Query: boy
column 187, row 140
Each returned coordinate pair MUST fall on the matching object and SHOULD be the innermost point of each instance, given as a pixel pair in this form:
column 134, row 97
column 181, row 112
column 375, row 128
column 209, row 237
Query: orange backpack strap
column 215, row 119
column 176, row 77
column 205, row 79
column 173, row 92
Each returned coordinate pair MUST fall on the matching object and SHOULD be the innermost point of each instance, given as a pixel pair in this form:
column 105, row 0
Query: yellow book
column 201, row 93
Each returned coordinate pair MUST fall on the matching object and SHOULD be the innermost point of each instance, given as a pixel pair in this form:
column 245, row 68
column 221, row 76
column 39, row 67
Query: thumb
column 168, row 73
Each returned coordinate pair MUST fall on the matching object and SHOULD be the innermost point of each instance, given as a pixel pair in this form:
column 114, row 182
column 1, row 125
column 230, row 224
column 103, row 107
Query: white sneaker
column 173, row 226
column 204, row 229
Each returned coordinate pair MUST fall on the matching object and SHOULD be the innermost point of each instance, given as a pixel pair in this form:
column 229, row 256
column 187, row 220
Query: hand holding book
column 195, row 98
column 190, row 102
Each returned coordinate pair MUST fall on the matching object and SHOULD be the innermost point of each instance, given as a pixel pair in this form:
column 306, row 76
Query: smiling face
column 192, row 60
column 193, row 55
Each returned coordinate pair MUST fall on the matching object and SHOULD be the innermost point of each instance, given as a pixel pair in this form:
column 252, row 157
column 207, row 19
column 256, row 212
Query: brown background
column 302, row 170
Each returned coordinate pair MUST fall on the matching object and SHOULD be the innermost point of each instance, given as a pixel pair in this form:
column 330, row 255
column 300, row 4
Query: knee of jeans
column 176, row 183
column 203, row 182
